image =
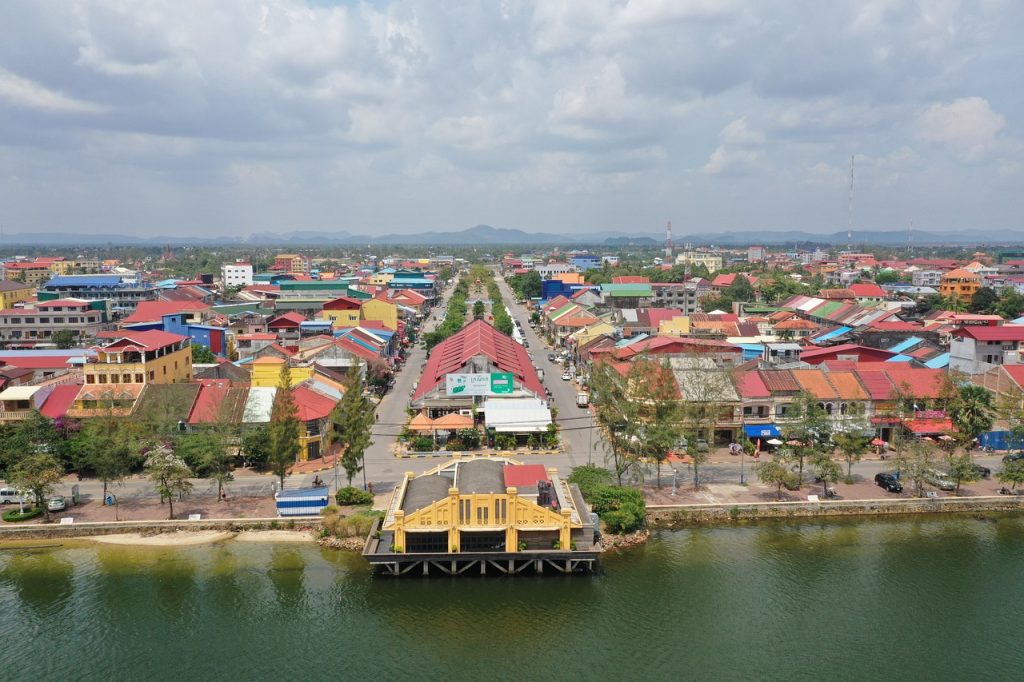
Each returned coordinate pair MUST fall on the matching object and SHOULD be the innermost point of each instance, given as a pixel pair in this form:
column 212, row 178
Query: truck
column 540, row 373
column 582, row 399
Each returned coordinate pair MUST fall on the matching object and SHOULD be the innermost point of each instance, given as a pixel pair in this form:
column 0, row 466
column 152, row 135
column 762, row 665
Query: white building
column 237, row 274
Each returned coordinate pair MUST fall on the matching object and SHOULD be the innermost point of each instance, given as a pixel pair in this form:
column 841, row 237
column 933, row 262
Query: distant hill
column 486, row 235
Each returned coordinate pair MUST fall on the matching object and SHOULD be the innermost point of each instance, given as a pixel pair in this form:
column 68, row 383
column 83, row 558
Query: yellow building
column 341, row 319
column 14, row 292
column 149, row 357
column 266, row 372
column 961, row 284
column 495, row 505
column 382, row 311
column 30, row 273
column 290, row 262
column 380, row 279
column 712, row 261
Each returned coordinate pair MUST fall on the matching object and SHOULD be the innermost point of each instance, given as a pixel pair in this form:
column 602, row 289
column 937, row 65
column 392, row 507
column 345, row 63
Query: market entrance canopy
column 516, row 415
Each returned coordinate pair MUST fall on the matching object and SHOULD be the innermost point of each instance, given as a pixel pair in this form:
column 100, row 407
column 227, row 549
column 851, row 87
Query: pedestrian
column 369, row 487
column 223, row 495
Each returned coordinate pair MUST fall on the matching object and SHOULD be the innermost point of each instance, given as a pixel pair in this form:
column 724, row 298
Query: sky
column 198, row 118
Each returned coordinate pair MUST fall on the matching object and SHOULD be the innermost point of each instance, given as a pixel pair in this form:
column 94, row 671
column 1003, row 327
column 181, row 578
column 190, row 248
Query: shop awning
column 761, row 430
column 516, row 415
column 929, row 426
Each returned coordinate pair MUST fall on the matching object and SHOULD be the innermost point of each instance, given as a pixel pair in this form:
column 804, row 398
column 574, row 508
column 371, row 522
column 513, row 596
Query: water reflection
column 286, row 573
column 42, row 579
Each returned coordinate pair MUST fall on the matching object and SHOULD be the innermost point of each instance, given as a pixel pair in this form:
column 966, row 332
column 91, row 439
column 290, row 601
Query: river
column 897, row 598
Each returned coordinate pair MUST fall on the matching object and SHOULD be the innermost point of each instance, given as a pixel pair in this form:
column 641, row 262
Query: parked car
column 889, row 482
column 939, row 479
column 551, row 357
column 1013, row 457
column 982, row 472
column 566, row 376
column 57, row 503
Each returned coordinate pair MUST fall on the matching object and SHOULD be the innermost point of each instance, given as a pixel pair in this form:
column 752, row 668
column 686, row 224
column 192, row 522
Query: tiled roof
column 8, row 285
column 919, row 382
column 847, row 385
column 60, row 400
column 312, row 404
column 478, row 338
column 152, row 339
column 153, row 311
column 779, row 380
column 816, row 383
column 750, row 385
column 291, row 319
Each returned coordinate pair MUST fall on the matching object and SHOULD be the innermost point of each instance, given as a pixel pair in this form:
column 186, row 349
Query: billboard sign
column 494, row 383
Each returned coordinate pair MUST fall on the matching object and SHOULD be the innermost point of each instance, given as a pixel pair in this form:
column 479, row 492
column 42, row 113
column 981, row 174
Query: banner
column 495, row 383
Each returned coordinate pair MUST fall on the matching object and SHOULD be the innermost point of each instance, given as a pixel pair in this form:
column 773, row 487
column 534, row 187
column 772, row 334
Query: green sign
column 495, row 383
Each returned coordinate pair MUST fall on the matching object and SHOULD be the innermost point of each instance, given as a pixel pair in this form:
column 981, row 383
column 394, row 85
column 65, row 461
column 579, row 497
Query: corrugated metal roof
column 779, row 380
column 938, row 362
column 905, row 344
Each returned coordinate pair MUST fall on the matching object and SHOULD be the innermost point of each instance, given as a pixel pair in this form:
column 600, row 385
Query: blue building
column 587, row 262
column 124, row 292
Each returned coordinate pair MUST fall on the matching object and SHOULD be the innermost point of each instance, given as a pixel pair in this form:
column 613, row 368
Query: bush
column 355, row 526
column 13, row 515
column 589, row 478
column 505, row 441
column 623, row 510
column 422, row 444
column 348, row 496
column 470, row 438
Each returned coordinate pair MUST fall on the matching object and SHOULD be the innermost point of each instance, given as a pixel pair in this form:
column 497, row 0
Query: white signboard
column 497, row 383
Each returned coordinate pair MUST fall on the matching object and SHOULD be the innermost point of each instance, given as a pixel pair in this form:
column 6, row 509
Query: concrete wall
column 24, row 531
column 668, row 516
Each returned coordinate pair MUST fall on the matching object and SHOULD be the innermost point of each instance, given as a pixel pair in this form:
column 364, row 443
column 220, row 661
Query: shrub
column 589, row 478
column 13, row 515
column 505, row 441
column 623, row 510
column 328, row 510
column 422, row 444
column 470, row 438
column 348, row 496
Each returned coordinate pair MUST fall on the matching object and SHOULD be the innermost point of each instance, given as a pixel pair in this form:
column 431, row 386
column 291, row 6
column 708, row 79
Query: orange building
column 959, row 283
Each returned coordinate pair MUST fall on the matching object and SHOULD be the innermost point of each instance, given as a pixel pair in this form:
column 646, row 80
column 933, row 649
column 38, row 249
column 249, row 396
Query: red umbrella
column 878, row 442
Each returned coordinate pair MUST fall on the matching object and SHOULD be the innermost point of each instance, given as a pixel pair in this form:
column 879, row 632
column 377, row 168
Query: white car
column 56, row 503
column 566, row 376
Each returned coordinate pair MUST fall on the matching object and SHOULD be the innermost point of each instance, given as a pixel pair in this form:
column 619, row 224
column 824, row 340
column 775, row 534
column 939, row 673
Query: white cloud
column 26, row 93
column 967, row 127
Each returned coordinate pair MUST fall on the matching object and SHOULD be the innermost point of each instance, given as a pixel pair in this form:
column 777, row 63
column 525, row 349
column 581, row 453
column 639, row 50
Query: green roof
column 624, row 290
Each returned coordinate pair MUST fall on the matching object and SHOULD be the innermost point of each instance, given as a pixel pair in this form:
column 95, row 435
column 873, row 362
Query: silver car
column 57, row 503
column 939, row 479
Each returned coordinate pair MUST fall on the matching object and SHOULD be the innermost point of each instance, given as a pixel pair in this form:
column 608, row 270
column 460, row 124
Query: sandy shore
column 177, row 539
column 274, row 536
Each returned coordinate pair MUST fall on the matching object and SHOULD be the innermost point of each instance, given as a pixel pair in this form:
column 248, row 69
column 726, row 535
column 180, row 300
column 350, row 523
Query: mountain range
column 485, row 235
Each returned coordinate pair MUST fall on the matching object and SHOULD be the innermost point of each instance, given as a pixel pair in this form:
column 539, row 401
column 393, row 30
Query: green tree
column 913, row 461
column 852, row 446
column 201, row 355
column 1012, row 473
column 65, row 338
column 961, row 470
column 617, row 415
column 654, row 388
column 38, row 473
column 812, row 430
column 827, row 470
column 283, row 432
column 1010, row 304
column 478, row 309
column 972, row 412
column 777, row 472
column 256, row 446
column 35, row 433
column 351, row 421
column 107, row 447
column 984, row 301
column 169, row 473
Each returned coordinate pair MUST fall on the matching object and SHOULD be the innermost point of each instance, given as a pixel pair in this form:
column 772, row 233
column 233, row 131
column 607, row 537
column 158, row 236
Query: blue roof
column 751, row 350
column 77, row 352
column 304, row 492
column 622, row 343
column 832, row 334
column 315, row 323
column 938, row 362
column 900, row 358
column 84, row 281
column 402, row 281
column 906, row 344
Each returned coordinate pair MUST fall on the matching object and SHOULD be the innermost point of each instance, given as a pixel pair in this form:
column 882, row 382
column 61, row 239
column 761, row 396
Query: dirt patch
column 275, row 536
column 176, row 539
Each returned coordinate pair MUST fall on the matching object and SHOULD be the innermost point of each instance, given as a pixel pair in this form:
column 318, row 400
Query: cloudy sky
column 199, row 118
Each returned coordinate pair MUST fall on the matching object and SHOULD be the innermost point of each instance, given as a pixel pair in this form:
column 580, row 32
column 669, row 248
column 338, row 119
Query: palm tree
column 972, row 412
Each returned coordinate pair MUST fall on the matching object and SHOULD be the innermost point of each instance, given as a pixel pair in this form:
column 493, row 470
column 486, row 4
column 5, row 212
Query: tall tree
column 617, row 415
column 914, row 461
column 776, row 471
column 38, row 473
column 284, row 426
column 201, row 355
column 972, row 412
column 812, row 430
column 962, row 470
column 169, row 473
column 107, row 447
column 705, row 390
column 654, row 390
column 351, row 421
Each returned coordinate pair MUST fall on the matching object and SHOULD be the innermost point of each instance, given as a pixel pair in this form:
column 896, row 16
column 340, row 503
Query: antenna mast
column 668, row 243
column 849, row 211
column 910, row 239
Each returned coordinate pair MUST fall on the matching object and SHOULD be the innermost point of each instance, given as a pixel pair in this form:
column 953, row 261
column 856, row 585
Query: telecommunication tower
column 849, row 212
column 668, row 243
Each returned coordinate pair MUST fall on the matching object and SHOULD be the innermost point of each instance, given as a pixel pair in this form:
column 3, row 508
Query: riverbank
column 681, row 515
column 159, row 532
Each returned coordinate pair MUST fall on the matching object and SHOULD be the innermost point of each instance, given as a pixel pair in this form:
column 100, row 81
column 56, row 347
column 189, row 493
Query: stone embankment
column 29, row 531
column 672, row 516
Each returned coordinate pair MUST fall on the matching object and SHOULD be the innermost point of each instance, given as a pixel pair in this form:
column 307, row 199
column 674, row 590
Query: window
column 138, row 378
column 90, row 379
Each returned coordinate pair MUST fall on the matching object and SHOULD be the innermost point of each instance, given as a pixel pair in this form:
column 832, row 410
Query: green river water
column 902, row 598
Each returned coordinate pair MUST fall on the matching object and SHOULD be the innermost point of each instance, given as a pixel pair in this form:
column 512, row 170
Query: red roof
column 152, row 339
column 287, row 320
column 478, row 338
column 1008, row 332
column 867, row 290
column 206, row 407
column 524, row 475
column 153, row 311
column 343, row 303
column 312, row 404
column 411, row 297
column 876, row 382
column 1015, row 372
column 929, row 425
column 60, row 400
column 751, row 385
column 631, row 279
column 666, row 345
column 919, row 382
column 36, row 361
column 896, row 326
column 64, row 303
column 817, row 355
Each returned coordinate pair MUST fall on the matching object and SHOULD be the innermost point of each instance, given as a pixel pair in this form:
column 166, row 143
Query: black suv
column 889, row 482
column 1012, row 457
